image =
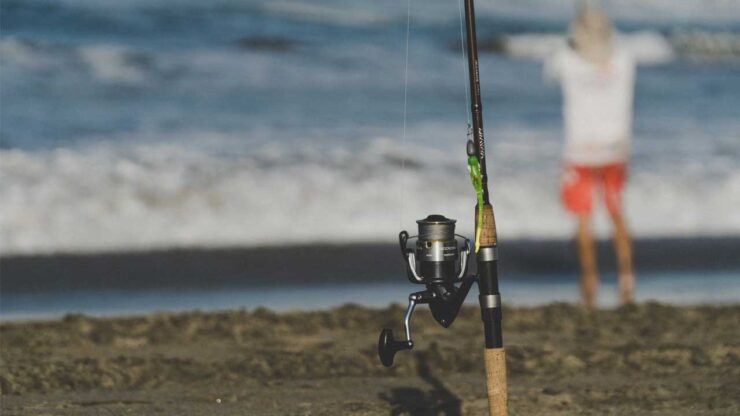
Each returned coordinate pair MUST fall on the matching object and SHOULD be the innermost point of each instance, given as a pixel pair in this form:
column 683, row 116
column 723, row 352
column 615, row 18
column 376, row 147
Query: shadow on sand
column 415, row 402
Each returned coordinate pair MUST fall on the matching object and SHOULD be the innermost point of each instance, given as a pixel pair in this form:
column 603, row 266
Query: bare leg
column 587, row 259
column 623, row 249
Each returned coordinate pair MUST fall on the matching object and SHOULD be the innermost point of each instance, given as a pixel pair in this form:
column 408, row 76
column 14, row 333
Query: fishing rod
column 439, row 258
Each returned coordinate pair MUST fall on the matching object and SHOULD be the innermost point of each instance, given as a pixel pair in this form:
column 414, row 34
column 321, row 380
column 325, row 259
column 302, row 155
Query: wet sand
column 562, row 360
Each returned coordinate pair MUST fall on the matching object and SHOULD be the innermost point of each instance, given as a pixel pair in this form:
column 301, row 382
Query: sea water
column 676, row 288
column 149, row 124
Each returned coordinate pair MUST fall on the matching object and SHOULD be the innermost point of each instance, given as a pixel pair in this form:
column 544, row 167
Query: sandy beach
column 562, row 360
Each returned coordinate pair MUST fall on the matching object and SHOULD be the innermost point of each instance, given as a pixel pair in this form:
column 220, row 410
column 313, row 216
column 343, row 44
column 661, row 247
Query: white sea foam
column 115, row 197
column 633, row 10
column 105, row 62
column 113, row 63
column 707, row 45
column 647, row 47
column 19, row 53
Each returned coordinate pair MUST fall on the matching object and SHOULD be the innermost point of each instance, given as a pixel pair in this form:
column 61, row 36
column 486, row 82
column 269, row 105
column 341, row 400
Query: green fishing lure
column 477, row 179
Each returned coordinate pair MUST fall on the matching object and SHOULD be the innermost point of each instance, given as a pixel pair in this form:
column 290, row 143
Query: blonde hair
column 591, row 35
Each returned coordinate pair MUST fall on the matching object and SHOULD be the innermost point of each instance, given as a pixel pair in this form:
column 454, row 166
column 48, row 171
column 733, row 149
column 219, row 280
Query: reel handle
column 388, row 346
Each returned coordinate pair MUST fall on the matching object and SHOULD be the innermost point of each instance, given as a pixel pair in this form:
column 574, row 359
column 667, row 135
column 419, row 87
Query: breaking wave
column 648, row 47
column 115, row 64
column 110, row 197
column 104, row 62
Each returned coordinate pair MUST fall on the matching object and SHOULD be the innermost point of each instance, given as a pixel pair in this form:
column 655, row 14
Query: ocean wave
column 707, row 45
column 110, row 197
column 115, row 64
column 246, row 61
column 29, row 54
column 106, row 63
column 359, row 12
column 648, row 47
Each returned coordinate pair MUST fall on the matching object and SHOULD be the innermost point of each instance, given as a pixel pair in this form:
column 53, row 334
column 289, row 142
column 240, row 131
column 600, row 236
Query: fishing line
column 405, row 103
column 466, row 80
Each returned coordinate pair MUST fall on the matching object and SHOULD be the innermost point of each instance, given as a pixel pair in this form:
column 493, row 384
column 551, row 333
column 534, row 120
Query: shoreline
column 680, row 288
column 325, row 263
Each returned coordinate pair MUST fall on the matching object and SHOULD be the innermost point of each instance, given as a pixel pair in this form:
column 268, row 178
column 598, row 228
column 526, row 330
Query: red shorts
column 579, row 182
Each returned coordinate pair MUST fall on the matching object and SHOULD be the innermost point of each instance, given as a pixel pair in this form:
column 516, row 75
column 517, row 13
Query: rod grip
column 488, row 231
column 495, row 359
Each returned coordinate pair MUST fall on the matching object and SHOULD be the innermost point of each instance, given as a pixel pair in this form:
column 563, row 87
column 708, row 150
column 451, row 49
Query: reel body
column 439, row 262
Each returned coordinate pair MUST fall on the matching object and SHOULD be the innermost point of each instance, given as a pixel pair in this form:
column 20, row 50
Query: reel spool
column 439, row 262
column 437, row 258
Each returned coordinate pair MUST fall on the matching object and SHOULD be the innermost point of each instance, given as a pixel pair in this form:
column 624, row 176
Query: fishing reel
column 439, row 262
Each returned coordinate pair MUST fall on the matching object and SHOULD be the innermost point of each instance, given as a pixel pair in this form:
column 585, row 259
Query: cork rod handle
column 488, row 233
column 496, row 381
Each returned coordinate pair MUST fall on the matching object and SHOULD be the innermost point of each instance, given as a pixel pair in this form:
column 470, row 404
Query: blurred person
column 597, row 80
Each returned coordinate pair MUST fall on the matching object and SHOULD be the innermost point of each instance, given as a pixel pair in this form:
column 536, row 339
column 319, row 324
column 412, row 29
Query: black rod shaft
column 475, row 96
column 487, row 265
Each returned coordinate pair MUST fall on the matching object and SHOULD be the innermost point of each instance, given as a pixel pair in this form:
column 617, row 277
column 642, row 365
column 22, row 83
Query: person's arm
column 551, row 71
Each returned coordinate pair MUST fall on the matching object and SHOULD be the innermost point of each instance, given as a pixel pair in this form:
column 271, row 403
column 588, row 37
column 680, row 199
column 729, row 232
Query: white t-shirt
column 597, row 106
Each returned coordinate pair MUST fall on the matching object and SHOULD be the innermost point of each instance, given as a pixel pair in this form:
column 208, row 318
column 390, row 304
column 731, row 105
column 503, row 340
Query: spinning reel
column 439, row 262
